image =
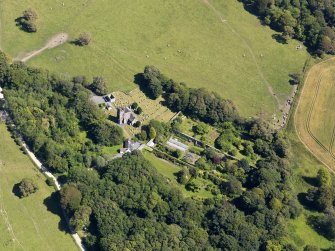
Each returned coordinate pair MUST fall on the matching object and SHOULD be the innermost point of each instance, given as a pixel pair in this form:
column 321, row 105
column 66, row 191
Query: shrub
column 27, row 187
column 83, row 39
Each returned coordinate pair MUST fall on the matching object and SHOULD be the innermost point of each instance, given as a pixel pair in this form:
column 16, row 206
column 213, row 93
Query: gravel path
column 53, row 42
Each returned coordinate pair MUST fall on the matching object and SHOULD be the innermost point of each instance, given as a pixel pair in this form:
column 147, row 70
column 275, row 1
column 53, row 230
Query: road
column 45, row 171
column 32, row 156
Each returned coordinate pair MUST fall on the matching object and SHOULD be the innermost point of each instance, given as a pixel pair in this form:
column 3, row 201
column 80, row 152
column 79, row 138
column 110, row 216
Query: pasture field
column 205, row 43
column 30, row 223
column 314, row 119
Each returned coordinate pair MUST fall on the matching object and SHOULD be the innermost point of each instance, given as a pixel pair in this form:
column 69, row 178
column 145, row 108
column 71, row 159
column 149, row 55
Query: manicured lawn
column 168, row 170
column 30, row 223
column 188, row 40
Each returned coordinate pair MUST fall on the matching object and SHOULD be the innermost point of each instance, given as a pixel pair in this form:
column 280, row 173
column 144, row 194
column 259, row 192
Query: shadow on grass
column 279, row 38
column 16, row 190
column 310, row 180
column 142, row 83
column 52, row 205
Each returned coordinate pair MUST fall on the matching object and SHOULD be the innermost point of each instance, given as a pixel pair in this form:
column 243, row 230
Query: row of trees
column 197, row 103
column 321, row 197
column 309, row 21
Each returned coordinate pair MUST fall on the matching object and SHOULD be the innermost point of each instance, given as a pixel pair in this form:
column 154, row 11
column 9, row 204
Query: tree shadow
column 16, row 190
column 305, row 203
column 279, row 38
column 142, row 83
column 75, row 42
column 310, row 180
column 53, row 206
column 113, row 119
column 314, row 222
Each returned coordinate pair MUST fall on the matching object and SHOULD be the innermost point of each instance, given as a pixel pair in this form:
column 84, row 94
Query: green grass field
column 27, row 224
column 168, row 170
column 235, row 58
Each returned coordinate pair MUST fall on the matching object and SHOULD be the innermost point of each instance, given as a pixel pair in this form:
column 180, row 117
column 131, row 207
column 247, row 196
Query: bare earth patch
column 53, row 42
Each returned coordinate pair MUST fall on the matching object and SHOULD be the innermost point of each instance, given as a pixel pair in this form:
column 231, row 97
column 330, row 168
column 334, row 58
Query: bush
column 27, row 187
column 137, row 124
column 28, row 21
column 138, row 110
column 84, row 39
column 99, row 86
column 50, row 182
column 134, row 106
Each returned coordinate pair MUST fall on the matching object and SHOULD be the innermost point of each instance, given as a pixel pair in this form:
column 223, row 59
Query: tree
column 201, row 128
column 192, row 186
column 134, row 106
column 152, row 133
column 27, row 186
column 83, row 39
column 137, row 123
column 106, row 134
column 70, row 197
column 183, row 176
column 28, row 21
column 99, row 86
column 81, row 218
column 139, row 110
column 30, row 14
column 273, row 246
column 323, row 178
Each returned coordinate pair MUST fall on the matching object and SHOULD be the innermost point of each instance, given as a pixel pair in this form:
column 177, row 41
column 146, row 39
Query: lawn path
column 53, row 42
column 259, row 70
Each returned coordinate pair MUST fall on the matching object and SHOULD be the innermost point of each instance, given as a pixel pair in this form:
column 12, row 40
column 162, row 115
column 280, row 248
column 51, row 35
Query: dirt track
column 52, row 43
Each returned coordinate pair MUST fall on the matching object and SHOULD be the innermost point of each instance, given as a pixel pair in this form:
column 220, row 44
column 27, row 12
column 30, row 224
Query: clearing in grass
column 31, row 223
column 214, row 44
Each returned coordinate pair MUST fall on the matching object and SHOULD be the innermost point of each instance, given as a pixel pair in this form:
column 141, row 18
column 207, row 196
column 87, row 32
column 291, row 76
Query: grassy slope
column 125, row 32
column 34, row 227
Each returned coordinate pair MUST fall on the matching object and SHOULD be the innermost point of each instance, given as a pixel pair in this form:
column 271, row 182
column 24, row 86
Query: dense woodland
column 309, row 21
column 124, row 204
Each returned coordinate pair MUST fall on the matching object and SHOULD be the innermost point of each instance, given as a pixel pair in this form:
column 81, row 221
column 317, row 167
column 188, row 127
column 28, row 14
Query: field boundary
column 306, row 122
